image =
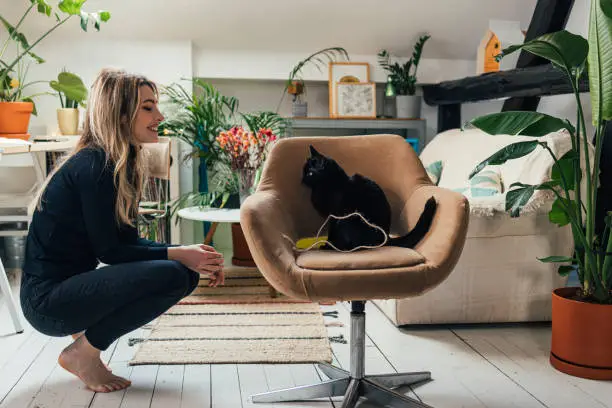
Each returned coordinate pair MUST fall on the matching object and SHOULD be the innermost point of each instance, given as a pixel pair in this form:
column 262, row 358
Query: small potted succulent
column 404, row 78
column 72, row 94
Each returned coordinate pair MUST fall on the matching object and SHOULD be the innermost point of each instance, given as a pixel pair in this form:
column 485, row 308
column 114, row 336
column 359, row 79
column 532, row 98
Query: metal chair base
column 354, row 384
column 375, row 388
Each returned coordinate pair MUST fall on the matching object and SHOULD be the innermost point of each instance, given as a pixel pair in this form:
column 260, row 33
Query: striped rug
column 238, row 323
column 242, row 285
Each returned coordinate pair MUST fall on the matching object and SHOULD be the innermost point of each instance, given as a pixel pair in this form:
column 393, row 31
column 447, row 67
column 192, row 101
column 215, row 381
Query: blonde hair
column 108, row 125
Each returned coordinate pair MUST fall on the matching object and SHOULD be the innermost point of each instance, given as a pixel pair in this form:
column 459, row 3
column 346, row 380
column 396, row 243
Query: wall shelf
column 326, row 126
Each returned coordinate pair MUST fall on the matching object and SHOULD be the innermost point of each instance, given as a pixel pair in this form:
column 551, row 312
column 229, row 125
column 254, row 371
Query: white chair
column 154, row 212
column 5, row 289
column 18, row 180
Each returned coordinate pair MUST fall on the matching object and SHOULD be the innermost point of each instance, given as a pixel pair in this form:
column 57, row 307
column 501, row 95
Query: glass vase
column 246, row 183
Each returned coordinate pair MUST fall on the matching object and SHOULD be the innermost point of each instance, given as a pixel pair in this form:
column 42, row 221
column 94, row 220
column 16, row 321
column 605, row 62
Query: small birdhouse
column 500, row 34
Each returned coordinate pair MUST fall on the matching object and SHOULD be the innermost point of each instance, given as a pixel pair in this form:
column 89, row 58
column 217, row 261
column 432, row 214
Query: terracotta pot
column 15, row 117
column 581, row 336
column 296, row 88
column 242, row 255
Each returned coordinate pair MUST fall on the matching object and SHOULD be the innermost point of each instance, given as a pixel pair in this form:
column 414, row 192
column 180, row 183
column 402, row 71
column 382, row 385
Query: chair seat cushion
column 379, row 258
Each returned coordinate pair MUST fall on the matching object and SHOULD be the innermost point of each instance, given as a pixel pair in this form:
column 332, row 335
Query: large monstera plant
column 575, row 56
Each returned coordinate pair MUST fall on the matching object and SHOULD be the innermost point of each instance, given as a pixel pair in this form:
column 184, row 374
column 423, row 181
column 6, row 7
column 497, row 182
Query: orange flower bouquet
column 246, row 152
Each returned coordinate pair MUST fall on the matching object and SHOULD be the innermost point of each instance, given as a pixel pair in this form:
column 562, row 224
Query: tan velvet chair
column 281, row 205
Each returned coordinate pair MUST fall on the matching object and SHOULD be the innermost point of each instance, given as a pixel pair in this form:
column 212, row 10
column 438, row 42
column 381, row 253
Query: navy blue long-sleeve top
column 77, row 228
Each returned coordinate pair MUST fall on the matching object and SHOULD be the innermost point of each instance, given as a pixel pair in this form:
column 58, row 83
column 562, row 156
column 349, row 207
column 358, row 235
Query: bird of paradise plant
column 575, row 56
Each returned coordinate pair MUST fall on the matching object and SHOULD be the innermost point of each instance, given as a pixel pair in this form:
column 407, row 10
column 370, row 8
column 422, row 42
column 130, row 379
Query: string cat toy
column 356, row 208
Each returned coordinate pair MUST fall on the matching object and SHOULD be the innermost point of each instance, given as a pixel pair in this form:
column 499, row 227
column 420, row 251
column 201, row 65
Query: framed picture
column 345, row 72
column 356, row 100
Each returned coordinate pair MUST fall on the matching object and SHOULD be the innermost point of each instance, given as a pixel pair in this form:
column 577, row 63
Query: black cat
column 334, row 192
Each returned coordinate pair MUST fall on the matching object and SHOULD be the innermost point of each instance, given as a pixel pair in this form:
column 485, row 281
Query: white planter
column 299, row 110
column 68, row 121
column 408, row 106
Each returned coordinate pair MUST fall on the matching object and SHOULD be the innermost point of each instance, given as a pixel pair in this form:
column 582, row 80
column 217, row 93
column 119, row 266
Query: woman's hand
column 201, row 258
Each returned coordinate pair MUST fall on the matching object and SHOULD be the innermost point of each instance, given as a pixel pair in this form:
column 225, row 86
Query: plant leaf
column 562, row 48
column 520, row 123
column 72, row 7
column 43, row 7
column 71, row 86
column 558, row 215
column 512, row 151
column 565, row 166
column 600, row 54
column 517, row 198
column 556, row 259
column 84, row 20
column 96, row 19
column 20, row 38
column 565, row 270
column 104, row 16
column 606, row 7
column 34, row 111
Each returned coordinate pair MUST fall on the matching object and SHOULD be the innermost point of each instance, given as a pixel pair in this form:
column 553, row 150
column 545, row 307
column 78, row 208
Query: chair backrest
column 158, row 156
column 387, row 159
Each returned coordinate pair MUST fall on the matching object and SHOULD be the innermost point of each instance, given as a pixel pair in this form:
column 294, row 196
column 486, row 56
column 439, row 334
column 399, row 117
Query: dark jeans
column 107, row 302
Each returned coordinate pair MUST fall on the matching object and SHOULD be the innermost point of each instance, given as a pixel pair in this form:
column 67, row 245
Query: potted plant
column 404, row 78
column 197, row 118
column 15, row 108
column 295, row 84
column 72, row 93
column 581, row 316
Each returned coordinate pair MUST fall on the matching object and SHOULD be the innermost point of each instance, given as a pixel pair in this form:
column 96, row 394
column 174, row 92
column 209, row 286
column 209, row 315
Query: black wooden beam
column 449, row 117
column 549, row 16
column 541, row 80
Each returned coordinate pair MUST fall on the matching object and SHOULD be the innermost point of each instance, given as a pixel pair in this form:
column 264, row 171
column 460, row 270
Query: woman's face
column 147, row 118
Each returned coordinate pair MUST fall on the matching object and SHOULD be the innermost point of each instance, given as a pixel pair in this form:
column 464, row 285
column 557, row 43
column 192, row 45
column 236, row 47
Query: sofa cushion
column 434, row 171
column 379, row 258
column 462, row 150
column 486, row 183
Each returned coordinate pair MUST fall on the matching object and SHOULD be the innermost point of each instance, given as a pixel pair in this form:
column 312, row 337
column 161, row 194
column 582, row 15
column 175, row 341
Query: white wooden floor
column 471, row 367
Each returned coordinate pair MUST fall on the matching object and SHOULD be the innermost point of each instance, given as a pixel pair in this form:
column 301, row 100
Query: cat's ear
column 314, row 153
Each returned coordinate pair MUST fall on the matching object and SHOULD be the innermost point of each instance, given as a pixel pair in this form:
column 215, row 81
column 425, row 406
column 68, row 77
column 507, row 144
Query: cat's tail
column 420, row 229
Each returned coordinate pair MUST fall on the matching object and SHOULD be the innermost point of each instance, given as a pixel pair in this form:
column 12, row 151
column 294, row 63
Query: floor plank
column 461, row 377
column 16, row 367
column 196, row 386
column 225, row 386
column 30, row 384
column 522, row 353
column 168, row 387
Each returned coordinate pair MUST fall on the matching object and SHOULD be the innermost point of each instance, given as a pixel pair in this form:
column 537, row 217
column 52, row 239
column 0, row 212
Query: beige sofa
column 498, row 277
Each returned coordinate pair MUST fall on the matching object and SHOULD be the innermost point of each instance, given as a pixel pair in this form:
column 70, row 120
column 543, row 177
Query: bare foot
column 77, row 335
column 83, row 360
